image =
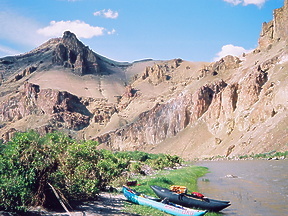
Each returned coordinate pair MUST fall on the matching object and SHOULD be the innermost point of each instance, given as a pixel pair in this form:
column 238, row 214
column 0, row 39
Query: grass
column 186, row 177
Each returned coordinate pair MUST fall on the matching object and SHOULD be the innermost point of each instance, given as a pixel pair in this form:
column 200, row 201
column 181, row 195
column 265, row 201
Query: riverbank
column 213, row 184
column 106, row 204
column 273, row 155
column 116, row 204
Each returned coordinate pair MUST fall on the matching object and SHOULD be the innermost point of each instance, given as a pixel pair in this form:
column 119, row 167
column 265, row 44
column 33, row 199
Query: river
column 254, row 187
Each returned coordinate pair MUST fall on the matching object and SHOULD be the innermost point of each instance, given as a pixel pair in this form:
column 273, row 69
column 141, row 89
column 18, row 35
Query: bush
column 135, row 155
column 164, row 161
column 26, row 162
column 75, row 168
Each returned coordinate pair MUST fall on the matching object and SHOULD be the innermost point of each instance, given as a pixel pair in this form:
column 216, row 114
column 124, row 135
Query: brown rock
column 60, row 106
column 71, row 53
column 160, row 72
column 6, row 136
column 276, row 29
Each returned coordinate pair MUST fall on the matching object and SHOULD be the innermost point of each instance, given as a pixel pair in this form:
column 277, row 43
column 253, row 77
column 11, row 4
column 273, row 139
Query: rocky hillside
column 235, row 106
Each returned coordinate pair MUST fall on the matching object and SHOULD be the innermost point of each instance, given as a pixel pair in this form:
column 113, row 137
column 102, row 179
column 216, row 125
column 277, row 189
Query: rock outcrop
column 164, row 120
column 275, row 30
column 160, row 72
column 26, row 72
column 67, row 52
column 221, row 66
column 72, row 53
column 63, row 109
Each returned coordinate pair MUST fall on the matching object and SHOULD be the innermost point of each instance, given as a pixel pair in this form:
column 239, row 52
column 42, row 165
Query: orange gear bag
column 178, row 189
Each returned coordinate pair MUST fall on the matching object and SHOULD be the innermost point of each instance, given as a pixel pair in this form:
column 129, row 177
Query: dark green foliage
column 156, row 161
column 75, row 168
column 134, row 155
column 164, row 161
column 26, row 162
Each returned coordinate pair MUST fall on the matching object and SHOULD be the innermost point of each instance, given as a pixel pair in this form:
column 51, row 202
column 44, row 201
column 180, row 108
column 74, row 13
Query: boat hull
column 188, row 201
column 168, row 208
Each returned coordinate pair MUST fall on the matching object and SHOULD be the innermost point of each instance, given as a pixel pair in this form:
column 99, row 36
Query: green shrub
column 135, row 167
column 135, row 155
column 164, row 161
column 75, row 168
column 26, row 162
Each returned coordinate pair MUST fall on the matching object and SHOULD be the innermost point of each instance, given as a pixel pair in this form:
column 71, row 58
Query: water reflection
column 258, row 187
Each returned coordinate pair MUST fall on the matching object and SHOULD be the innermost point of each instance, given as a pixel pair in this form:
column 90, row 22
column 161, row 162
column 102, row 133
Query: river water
column 254, row 187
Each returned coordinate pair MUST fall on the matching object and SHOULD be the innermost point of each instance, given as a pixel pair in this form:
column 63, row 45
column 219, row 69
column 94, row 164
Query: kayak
column 167, row 207
column 190, row 201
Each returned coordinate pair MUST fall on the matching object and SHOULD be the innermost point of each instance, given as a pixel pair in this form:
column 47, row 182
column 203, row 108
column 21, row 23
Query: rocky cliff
column 61, row 109
column 71, row 53
column 234, row 106
column 239, row 99
column 275, row 30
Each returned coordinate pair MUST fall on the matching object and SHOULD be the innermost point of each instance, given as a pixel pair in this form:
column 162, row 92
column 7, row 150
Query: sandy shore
column 106, row 204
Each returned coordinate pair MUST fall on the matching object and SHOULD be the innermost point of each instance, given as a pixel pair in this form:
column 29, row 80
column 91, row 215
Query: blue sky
column 128, row 30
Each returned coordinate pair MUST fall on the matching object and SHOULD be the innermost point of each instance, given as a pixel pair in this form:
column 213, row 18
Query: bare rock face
column 237, row 104
column 280, row 22
column 164, row 120
column 250, row 88
column 67, row 52
column 226, row 63
column 63, row 108
column 129, row 92
column 266, row 35
column 71, row 53
column 221, row 66
column 8, row 134
column 102, row 112
column 160, row 72
column 27, row 71
column 275, row 30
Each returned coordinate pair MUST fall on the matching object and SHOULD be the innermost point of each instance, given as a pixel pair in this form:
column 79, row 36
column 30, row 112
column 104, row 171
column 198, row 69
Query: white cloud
column 256, row 2
column 107, row 14
column 259, row 3
column 230, row 50
column 113, row 31
column 234, row 2
column 80, row 28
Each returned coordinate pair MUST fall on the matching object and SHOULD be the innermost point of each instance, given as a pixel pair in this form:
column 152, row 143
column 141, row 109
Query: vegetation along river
column 254, row 187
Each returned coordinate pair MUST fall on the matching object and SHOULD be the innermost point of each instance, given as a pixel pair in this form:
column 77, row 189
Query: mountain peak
column 72, row 53
column 70, row 39
column 68, row 34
